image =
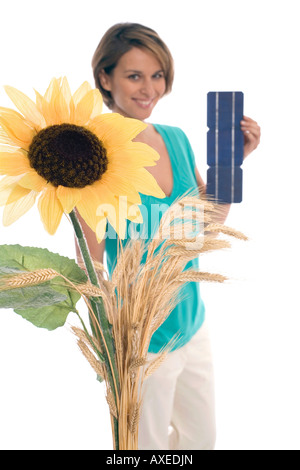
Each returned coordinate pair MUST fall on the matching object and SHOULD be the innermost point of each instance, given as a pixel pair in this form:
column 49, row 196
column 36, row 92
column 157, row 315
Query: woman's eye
column 159, row 75
column 134, row 76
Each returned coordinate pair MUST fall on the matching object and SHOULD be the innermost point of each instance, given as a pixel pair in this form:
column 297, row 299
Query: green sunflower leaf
column 31, row 296
column 45, row 305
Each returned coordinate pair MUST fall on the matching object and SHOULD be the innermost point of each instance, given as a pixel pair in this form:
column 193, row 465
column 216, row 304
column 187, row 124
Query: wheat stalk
column 137, row 363
column 31, row 278
column 219, row 228
column 133, row 417
column 195, row 276
column 90, row 357
column 90, row 290
column 155, row 364
column 111, row 403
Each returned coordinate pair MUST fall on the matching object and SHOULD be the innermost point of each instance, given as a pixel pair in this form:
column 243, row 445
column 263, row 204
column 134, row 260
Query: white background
column 49, row 398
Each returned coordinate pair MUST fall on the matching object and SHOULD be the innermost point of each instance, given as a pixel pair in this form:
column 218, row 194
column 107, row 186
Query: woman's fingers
column 252, row 134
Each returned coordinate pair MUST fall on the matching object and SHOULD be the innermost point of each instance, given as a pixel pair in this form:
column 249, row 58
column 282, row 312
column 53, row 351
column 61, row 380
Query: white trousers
column 178, row 411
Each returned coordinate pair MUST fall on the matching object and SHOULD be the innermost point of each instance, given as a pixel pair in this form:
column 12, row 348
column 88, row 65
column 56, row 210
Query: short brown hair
column 118, row 40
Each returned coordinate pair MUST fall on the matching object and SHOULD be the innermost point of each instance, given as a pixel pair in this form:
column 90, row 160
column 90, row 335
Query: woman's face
column 136, row 84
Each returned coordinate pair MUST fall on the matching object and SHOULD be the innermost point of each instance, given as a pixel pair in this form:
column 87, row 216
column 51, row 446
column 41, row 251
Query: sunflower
column 63, row 151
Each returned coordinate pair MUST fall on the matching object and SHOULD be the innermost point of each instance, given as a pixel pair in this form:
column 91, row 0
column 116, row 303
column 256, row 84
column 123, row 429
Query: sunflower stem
column 107, row 345
column 84, row 249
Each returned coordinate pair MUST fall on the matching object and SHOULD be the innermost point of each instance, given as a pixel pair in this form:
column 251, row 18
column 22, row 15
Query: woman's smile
column 144, row 104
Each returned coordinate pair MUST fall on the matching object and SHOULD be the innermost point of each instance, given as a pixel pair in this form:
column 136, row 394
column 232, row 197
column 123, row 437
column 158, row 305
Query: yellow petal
column 51, row 210
column 72, row 112
column 120, row 186
column 133, row 155
column 54, row 85
column 10, row 191
column 61, row 108
column 11, row 112
column 17, row 193
column 68, row 197
column 55, row 106
column 9, row 181
column 4, row 195
column 145, row 183
column 14, row 210
column 88, row 205
column 17, row 130
column 103, row 192
column 115, row 210
column 66, row 90
column 108, row 211
column 7, row 184
column 27, row 107
column 81, row 92
column 9, row 149
column 33, row 181
column 39, row 101
column 42, row 106
column 51, row 104
column 4, row 139
column 45, row 108
column 113, row 129
column 13, row 164
column 84, row 108
column 98, row 104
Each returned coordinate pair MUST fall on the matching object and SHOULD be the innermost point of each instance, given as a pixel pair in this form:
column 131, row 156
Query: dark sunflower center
column 68, row 155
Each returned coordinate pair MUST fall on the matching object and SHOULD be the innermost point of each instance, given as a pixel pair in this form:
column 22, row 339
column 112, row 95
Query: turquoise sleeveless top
column 188, row 315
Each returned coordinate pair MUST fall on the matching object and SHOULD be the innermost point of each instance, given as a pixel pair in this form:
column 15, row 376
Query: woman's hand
column 251, row 132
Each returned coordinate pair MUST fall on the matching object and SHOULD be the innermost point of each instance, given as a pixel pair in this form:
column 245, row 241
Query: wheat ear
column 28, row 279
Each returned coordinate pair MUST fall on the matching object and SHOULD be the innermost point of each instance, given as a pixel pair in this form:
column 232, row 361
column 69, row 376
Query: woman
column 133, row 69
